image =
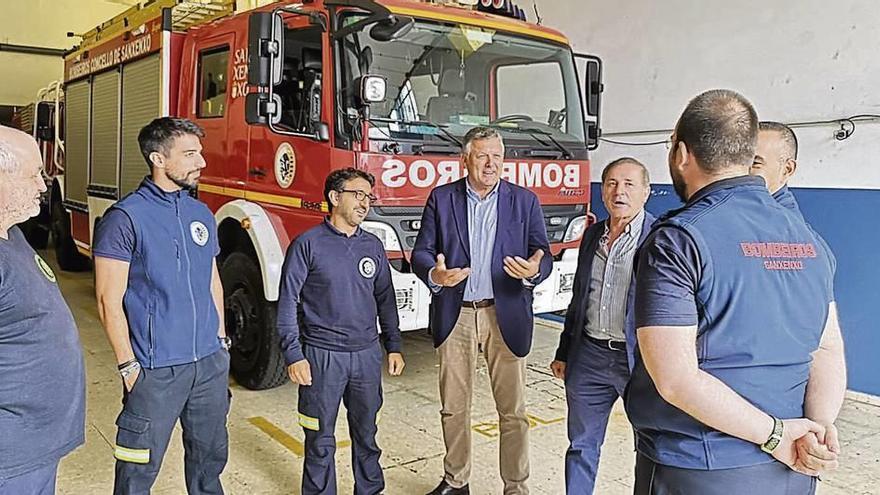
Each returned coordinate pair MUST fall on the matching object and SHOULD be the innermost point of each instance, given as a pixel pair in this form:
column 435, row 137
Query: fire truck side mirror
column 593, row 89
column 265, row 49
column 322, row 132
column 45, row 125
column 373, row 89
column 260, row 110
column 391, row 28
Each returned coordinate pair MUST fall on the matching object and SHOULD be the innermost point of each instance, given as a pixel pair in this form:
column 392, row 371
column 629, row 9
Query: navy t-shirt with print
column 42, row 381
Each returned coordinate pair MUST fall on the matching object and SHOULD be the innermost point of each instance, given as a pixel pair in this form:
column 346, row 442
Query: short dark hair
column 158, row 135
column 720, row 127
column 336, row 181
column 477, row 133
column 785, row 132
column 627, row 159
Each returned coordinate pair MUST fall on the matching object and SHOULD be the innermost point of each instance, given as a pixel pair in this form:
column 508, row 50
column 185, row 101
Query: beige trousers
column 474, row 331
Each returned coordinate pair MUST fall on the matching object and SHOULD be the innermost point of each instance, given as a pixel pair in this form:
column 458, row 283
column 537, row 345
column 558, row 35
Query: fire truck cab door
column 292, row 162
column 218, row 107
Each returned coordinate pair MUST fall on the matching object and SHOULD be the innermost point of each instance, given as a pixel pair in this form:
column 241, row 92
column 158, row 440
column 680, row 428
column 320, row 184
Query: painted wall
column 43, row 23
column 807, row 63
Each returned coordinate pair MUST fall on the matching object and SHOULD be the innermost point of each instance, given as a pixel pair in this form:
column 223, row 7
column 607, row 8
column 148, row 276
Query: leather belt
column 482, row 303
column 614, row 345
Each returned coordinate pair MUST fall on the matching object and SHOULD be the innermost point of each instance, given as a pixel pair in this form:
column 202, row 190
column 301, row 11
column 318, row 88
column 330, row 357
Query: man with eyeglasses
column 335, row 282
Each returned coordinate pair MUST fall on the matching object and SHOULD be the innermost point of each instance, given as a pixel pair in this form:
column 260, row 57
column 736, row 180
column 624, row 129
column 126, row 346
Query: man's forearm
column 826, row 386
column 217, row 295
column 116, row 328
column 711, row 402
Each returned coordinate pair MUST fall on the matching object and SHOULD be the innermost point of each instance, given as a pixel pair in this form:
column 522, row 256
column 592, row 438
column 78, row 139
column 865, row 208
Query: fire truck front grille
column 404, row 299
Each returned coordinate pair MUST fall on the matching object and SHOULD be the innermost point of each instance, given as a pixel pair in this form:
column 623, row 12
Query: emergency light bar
column 504, row 8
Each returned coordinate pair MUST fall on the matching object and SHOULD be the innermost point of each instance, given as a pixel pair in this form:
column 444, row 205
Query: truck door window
column 534, row 90
column 301, row 80
column 213, row 66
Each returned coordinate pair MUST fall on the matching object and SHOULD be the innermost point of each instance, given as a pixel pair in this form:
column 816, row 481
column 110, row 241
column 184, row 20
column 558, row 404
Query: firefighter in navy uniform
column 335, row 282
column 160, row 300
column 740, row 374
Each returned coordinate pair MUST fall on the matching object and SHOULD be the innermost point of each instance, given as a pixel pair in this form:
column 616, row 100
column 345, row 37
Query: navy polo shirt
column 169, row 240
column 757, row 282
column 42, row 382
column 333, row 288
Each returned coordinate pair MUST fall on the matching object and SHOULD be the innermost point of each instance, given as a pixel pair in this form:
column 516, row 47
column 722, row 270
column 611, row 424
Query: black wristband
column 126, row 364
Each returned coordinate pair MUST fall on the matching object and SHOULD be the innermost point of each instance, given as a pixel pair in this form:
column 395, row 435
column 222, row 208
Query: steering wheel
column 514, row 117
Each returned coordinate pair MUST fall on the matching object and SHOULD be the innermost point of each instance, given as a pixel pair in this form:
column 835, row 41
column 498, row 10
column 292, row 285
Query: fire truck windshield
column 459, row 76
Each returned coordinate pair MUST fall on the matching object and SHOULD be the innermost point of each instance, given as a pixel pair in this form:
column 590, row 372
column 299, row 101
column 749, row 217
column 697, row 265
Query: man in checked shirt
column 595, row 353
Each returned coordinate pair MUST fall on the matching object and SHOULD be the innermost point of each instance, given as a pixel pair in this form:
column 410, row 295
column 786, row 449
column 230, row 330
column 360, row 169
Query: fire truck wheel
column 69, row 259
column 256, row 360
column 35, row 232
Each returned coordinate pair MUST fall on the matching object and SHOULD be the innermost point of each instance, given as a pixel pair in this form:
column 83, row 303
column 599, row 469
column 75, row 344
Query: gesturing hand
column 519, row 268
column 447, row 277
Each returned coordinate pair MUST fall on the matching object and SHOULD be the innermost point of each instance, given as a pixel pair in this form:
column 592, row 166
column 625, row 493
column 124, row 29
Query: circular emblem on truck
column 367, row 267
column 44, row 268
column 285, row 165
column 199, row 233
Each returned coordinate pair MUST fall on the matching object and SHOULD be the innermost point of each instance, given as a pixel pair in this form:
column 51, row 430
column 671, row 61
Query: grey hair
column 8, row 159
column 720, row 127
column 476, row 134
column 646, row 177
column 786, row 133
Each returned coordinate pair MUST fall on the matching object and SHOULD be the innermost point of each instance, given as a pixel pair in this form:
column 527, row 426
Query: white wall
column 43, row 23
column 800, row 61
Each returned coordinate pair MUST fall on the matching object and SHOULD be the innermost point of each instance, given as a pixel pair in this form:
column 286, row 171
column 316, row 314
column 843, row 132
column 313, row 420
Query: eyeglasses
column 668, row 143
column 360, row 195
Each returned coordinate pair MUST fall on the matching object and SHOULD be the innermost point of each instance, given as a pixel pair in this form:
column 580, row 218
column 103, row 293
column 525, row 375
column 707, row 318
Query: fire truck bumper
column 413, row 299
column 554, row 293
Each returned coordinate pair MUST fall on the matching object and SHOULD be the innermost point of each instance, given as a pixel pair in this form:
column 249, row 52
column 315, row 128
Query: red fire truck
column 42, row 120
column 289, row 91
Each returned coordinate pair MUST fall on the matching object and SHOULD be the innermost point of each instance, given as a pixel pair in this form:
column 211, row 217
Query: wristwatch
column 225, row 342
column 775, row 437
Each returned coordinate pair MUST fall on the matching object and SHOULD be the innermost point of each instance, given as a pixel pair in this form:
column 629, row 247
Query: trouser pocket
column 132, row 438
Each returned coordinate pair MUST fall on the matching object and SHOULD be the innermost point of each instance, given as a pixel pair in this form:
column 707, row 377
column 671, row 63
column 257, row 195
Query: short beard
column 679, row 186
column 182, row 184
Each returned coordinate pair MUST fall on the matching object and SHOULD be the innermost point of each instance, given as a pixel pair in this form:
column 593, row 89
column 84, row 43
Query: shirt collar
column 740, row 181
column 473, row 194
column 154, row 191
column 329, row 225
column 632, row 228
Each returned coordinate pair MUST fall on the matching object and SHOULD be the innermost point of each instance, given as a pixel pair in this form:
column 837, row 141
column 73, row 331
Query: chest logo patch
column 199, row 233
column 45, row 269
column 367, row 267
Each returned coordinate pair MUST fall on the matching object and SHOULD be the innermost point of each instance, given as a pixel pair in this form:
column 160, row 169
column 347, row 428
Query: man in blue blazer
column 595, row 353
column 482, row 248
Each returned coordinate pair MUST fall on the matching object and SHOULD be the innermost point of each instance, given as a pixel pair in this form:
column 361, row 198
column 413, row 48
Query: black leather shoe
column 444, row 489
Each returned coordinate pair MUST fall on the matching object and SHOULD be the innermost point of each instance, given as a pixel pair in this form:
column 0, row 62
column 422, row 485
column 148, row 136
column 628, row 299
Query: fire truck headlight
column 373, row 89
column 385, row 233
column 575, row 229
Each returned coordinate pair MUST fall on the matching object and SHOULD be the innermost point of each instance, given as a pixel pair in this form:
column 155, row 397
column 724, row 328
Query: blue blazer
column 576, row 317
column 520, row 232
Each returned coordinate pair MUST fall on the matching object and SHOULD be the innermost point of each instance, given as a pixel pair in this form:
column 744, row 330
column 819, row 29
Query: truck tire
column 36, row 232
column 69, row 259
column 256, row 359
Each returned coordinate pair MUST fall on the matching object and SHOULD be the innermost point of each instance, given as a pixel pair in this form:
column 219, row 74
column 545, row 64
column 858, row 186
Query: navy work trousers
column 354, row 378
column 197, row 394
column 773, row 477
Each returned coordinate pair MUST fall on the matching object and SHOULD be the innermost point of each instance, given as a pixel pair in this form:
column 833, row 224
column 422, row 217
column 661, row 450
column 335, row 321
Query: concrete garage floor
column 265, row 441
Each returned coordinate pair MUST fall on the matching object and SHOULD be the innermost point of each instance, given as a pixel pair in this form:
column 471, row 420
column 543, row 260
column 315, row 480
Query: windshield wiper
column 446, row 135
column 534, row 133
